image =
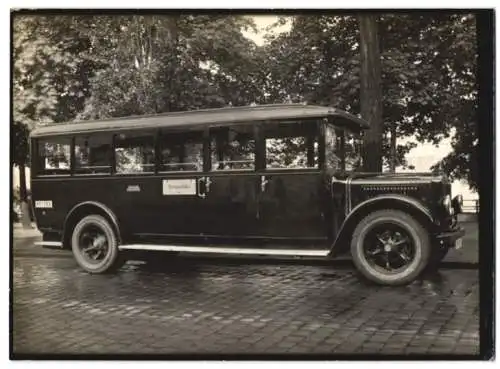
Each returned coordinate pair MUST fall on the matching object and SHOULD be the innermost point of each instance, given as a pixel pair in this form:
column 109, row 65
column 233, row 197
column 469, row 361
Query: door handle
column 207, row 182
column 263, row 183
column 200, row 194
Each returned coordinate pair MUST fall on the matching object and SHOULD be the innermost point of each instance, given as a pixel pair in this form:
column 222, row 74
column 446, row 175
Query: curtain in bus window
column 232, row 148
column 54, row 155
column 134, row 153
column 292, row 145
column 181, row 152
column 93, row 154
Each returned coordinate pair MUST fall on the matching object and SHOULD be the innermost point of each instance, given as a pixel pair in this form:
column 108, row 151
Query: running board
column 55, row 244
column 225, row 250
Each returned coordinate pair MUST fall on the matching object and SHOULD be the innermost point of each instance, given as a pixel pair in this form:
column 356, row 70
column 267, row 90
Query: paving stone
column 206, row 306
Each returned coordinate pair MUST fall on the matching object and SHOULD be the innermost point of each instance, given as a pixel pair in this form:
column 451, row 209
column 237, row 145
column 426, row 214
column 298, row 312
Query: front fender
column 389, row 201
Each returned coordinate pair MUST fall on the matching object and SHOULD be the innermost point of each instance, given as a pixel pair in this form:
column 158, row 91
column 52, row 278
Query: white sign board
column 179, row 186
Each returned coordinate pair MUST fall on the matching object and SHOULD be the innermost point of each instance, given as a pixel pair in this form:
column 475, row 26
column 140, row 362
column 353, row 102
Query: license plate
column 458, row 244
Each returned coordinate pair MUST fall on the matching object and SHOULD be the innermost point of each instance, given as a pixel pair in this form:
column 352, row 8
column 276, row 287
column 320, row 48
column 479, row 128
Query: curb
column 28, row 233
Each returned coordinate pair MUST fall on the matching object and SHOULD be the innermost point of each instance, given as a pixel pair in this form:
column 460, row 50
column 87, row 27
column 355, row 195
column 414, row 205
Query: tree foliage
column 48, row 83
column 318, row 61
column 153, row 64
column 428, row 76
column 437, row 84
column 86, row 66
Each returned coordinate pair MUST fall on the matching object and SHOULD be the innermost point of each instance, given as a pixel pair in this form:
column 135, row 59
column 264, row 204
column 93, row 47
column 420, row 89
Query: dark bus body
column 228, row 181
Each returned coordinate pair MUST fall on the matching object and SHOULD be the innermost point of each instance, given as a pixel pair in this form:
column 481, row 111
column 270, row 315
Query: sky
column 262, row 22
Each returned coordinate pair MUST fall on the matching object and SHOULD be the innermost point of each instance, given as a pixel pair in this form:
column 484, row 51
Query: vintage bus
column 264, row 180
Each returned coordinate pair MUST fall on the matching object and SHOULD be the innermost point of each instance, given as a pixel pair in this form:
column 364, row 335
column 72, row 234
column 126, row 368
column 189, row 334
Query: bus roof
column 204, row 117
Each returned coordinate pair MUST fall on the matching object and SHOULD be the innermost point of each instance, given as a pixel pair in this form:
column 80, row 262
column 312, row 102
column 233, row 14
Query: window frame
column 320, row 135
column 258, row 135
column 39, row 171
column 227, row 171
column 342, row 132
column 110, row 158
column 159, row 146
column 140, row 133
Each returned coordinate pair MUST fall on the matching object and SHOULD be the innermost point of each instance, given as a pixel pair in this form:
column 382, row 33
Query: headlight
column 447, row 204
column 457, row 203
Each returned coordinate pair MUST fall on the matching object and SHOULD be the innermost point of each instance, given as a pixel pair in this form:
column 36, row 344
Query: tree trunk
column 393, row 150
column 23, row 194
column 174, row 92
column 371, row 92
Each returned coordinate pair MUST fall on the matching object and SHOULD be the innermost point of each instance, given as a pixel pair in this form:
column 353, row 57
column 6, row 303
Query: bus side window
column 93, row 154
column 292, row 145
column 181, row 152
column 54, row 156
column 134, row 153
column 232, row 148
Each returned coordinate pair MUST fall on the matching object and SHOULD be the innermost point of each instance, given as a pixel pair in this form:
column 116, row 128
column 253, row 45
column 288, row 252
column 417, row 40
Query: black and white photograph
column 260, row 184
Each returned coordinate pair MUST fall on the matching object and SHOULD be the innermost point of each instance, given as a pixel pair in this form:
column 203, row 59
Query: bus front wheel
column 95, row 245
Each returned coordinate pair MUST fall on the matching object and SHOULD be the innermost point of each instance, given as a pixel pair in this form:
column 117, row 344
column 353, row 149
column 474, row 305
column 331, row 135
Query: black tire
column 368, row 258
column 111, row 259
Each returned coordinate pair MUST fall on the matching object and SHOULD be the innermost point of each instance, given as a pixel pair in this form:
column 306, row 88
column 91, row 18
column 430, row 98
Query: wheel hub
column 93, row 244
column 389, row 248
column 99, row 241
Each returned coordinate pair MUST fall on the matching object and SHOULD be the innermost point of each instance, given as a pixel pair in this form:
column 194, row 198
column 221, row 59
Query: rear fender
column 87, row 208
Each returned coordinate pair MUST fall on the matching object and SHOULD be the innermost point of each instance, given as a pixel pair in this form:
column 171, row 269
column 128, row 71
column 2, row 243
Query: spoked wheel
column 95, row 246
column 390, row 247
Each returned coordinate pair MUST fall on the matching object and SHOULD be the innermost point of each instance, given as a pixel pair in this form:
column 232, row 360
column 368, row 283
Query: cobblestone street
column 210, row 306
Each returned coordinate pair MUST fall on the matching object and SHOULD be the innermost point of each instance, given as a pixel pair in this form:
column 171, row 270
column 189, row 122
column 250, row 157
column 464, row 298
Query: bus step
column 226, row 250
column 49, row 244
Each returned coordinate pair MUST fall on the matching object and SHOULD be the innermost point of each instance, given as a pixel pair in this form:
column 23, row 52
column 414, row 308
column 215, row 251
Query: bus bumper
column 452, row 237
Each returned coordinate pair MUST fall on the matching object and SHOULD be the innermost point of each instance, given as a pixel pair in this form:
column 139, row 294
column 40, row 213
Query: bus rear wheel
column 95, row 245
